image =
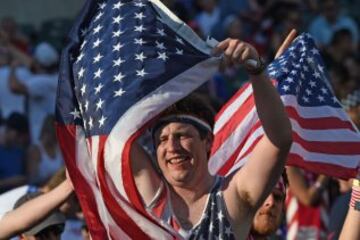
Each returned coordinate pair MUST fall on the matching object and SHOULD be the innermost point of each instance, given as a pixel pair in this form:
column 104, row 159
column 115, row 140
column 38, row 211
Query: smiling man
column 183, row 193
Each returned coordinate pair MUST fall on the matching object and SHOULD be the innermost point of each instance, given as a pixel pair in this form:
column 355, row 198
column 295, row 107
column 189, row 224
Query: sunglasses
column 57, row 229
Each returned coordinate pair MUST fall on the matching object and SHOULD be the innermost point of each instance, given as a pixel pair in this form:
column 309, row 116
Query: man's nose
column 173, row 144
column 270, row 200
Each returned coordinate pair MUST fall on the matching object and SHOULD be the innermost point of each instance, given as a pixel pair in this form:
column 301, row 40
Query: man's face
column 181, row 153
column 268, row 217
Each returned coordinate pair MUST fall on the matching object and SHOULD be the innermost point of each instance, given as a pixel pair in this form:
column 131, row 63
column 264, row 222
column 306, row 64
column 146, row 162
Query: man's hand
column 238, row 52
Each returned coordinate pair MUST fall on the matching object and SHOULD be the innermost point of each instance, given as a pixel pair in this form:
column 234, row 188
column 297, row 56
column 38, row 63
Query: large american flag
column 324, row 138
column 126, row 61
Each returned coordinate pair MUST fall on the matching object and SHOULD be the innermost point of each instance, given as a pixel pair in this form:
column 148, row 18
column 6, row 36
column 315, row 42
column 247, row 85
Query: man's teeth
column 177, row 160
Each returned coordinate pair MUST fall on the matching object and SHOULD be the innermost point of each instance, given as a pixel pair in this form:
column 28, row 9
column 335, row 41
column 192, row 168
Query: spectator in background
column 45, row 156
column 13, row 163
column 39, row 86
column 10, row 30
column 208, row 16
column 330, row 20
column 307, row 205
column 337, row 58
column 9, row 102
column 268, row 217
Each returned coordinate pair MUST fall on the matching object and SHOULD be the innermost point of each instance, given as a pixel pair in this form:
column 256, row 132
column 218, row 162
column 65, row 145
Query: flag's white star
column 161, row 32
column 81, row 72
column 321, row 68
column 160, row 45
column 119, row 92
column 310, row 60
column 324, row 90
column 139, row 4
column 306, row 99
column 90, row 123
column 117, row 47
column 312, row 84
column 118, row 5
column 162, row 56
column 308, row 91
column 334, row 99
column 139, row 28
column 83, row 44
column 97, row 58
column 285, row 88
column 285, row 70
column 293, row 72
column 116, row 20
column 314, row 51
column 289, row 80
column 83, row 89
column 102, row 121
column 321, row 98
column 139, row 15
column 97, row 29
column 98, row 73
column 140, row 56
column 98, row 16
column 117, row 33
column 80, row 57
column 84, row 31
column 99, row 104
column 141, row 73
column 179, row 51
column 228, row 231
column 302, row 76
column 98, row 88
column 75, row 113
column 316, row 74
column 211, row 227
column 179, row 40
column 97, row 43
column 118, row 62
column 119, row 77
column 86, row 106
column 306, row 68
column 102, row 5
column 220, row 216
column 139, row 41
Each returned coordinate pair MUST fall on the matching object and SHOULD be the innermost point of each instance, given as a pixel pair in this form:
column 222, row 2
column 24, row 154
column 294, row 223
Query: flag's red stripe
column 128, row 179
column 67, row 141
column 120, row 216
column 231, row 161
column 322, row 168
column 318, row 123
column 231, row 100
column 336, row 148
column 231, row 125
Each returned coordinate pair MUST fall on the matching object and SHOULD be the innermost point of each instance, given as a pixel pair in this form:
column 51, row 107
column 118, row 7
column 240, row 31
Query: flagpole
column 288, row 40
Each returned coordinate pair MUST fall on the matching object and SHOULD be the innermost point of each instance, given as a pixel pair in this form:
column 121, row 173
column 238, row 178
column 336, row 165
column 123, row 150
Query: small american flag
column 125, row 63
column 324, row 138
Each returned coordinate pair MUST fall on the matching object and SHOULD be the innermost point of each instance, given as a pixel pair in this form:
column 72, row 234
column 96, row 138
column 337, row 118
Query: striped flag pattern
column 325, row 140
column 125, row 63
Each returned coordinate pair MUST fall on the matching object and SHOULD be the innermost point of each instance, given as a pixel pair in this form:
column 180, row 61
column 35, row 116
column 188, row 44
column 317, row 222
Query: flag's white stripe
column 349, row 161
column 94, row 152
column 291, row 209
column 230, row 110
column 313, row 111
column 87, row 170
column 234, row 139
column 148, row 107
column 326, row 135
column 292, row 230
column 178, row 26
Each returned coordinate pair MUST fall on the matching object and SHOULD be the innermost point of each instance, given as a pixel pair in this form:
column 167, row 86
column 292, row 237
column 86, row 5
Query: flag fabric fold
column 325, row 140
column 125, row 62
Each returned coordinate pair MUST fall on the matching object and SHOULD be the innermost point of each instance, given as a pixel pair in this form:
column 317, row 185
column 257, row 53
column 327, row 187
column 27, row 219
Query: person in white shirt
column 39, row 86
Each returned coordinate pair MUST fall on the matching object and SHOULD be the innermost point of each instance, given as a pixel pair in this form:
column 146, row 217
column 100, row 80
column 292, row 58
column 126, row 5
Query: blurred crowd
column 29, row 65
